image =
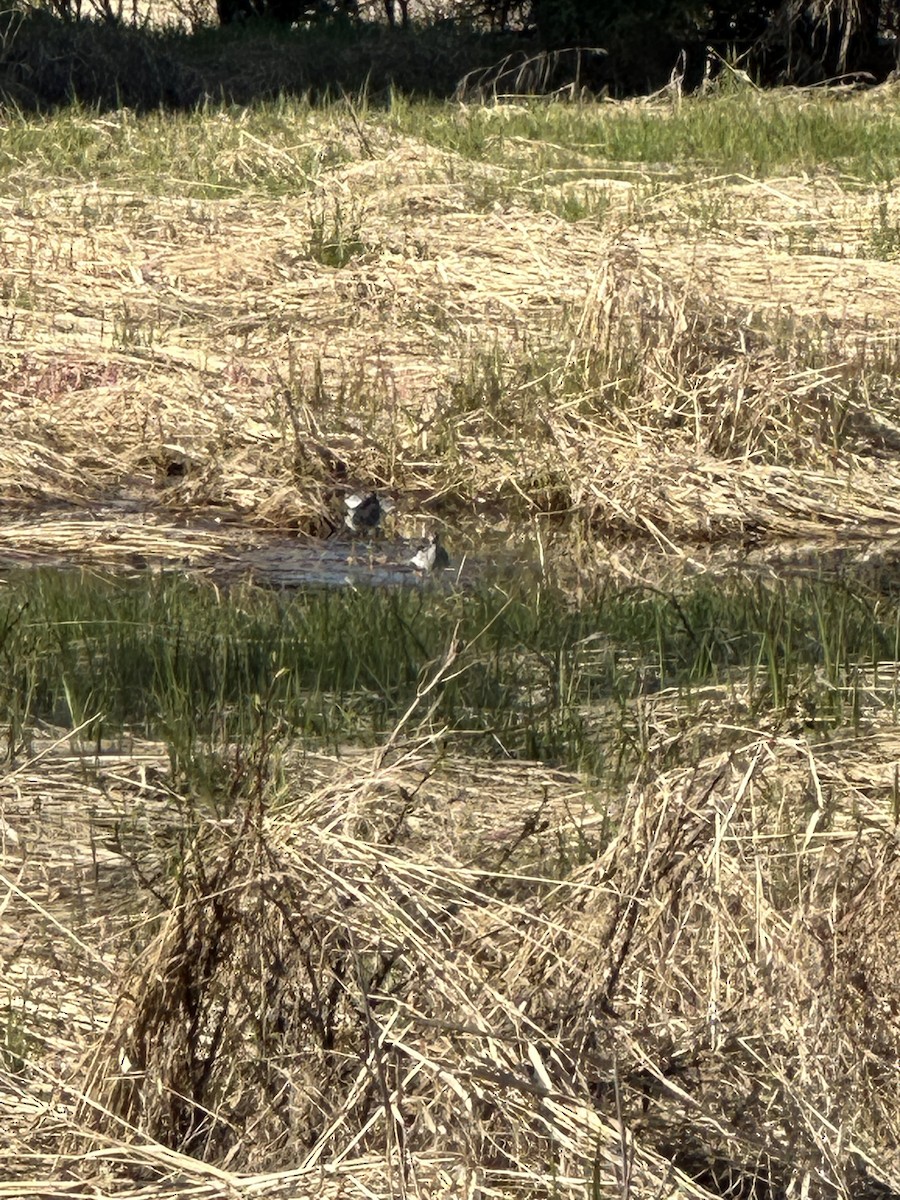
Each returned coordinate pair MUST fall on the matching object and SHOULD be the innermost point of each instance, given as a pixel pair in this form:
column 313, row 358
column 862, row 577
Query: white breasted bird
column 431, row 556
column 365, row 510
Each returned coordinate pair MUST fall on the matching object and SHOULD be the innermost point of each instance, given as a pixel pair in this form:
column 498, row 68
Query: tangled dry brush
column 425, row 980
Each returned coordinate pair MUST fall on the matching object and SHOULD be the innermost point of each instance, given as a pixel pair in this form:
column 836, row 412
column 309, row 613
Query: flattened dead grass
column 757, row 377
column 432, row 980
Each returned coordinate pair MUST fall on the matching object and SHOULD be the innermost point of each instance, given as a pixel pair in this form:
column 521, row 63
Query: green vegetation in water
column 535, row 677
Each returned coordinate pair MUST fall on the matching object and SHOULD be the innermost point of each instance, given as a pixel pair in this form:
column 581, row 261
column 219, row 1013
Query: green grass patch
column 335, row 236
column 284, row 144
column 535, row 677
column 209, row 153
column 746, row 132
column 883, row 240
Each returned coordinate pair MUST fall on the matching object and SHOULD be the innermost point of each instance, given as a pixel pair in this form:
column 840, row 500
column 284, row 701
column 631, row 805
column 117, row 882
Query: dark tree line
column 798, row 41
column 52, row 51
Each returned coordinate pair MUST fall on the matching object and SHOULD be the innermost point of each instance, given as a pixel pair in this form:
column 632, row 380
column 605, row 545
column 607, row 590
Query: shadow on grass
column 46, row 62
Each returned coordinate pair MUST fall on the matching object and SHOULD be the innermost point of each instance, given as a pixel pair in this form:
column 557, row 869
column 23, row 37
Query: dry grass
column 496, row 357
column 421, row 974
column 404, row 978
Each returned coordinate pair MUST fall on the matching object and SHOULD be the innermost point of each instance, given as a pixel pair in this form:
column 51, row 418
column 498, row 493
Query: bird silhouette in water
column 431, row 556
column 365, row 510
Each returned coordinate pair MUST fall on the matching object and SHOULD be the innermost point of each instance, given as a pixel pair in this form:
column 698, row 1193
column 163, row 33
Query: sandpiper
column 365, row 510
column 431, row 556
